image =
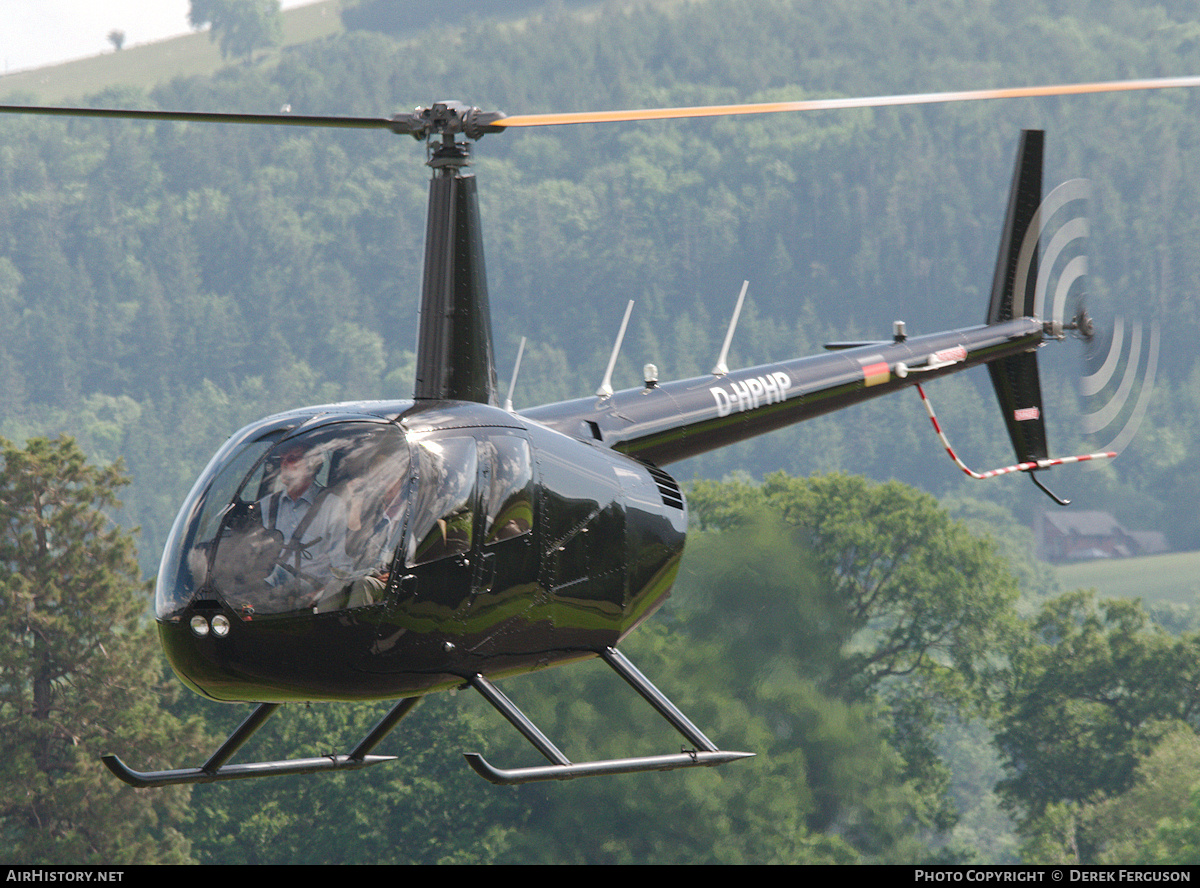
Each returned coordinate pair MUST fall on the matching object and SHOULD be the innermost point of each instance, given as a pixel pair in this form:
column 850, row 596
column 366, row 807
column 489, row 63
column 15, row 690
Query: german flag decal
column 875, row 370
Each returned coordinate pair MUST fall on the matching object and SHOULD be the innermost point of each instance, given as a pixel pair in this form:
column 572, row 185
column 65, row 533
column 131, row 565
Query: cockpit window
column 318, row 520
column 510, row 494
column 309, row 523
column 443, row 522
column 230, row 479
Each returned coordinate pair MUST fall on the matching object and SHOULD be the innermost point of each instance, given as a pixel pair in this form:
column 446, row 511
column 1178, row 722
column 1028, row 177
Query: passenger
column 375, row 513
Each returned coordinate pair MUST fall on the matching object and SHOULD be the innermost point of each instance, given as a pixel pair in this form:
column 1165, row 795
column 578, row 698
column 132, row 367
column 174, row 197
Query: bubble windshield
column 308, row 523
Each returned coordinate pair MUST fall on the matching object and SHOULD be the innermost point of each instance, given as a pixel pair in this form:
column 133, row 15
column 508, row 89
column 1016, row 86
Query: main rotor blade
column 451, row 117
column 205, row 116
column 1020, row 92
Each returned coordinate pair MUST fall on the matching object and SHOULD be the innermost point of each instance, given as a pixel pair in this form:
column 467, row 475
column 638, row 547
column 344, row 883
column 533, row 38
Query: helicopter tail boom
column 676, row 420
column 668, row 422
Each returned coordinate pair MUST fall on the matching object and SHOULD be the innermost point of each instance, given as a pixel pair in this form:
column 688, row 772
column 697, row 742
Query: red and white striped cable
column 1019, row 467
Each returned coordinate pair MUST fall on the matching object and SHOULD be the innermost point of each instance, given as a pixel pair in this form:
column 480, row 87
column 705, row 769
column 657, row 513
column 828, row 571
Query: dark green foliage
column 1153, row 821
column 823, row 788
column 916, row 592
column 1090, row 693
column 79, row 671
column 881, row 597
column 404, row 17
column 427, row 808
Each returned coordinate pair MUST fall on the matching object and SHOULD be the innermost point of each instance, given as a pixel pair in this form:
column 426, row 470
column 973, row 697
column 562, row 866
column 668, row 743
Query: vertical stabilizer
column 1017, row 262
column 1015, row 378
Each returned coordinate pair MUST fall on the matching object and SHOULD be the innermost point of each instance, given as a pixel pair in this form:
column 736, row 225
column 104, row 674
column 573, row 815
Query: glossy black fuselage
column 597, row 555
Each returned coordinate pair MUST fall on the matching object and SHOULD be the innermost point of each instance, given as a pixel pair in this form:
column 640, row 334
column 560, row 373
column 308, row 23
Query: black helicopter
column 387, row 550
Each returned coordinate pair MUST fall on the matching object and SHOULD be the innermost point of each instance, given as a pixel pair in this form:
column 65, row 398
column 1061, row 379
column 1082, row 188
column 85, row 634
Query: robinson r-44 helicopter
column 391, row 549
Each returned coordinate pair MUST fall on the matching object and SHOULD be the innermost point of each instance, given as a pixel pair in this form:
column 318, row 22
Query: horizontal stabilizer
column 842, row 346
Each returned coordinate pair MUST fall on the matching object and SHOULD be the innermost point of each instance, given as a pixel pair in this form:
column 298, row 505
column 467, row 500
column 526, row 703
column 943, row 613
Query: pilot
column 312, row 522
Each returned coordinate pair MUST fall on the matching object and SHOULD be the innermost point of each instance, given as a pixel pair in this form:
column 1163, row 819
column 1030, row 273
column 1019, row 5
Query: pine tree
column 80, row 674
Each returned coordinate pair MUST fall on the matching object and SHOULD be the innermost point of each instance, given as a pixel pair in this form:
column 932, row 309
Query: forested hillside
column 166, row 282
column 162, row 284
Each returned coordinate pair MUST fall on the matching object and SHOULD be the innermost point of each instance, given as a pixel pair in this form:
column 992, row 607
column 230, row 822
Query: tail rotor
column 1119, row 369
column 1120, row 358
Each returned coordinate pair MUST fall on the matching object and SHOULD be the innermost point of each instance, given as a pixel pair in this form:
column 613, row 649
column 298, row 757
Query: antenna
column 606, row 389
column 722, row 368
column 516, row 369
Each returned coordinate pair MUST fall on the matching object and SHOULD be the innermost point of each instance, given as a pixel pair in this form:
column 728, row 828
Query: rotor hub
column 447, row 119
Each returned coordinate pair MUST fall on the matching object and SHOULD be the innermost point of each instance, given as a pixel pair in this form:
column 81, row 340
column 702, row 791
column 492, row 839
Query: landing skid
column 216, row 769
column 703, row 754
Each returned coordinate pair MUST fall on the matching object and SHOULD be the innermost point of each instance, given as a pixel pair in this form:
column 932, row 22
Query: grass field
column 146, row 66
column 1166, row 578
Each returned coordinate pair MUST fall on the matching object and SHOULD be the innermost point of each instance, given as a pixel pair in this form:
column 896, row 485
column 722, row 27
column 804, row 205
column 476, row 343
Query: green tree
column 426, row 807
column 917, row 594
column 1090, row 694
column 239, row 26
column 896, row 605
column 1155, row 820
column 821, row 788
column 79, row 671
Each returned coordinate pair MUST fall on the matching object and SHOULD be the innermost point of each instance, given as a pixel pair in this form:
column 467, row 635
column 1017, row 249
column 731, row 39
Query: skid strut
column 704, row 752
column 216, row 769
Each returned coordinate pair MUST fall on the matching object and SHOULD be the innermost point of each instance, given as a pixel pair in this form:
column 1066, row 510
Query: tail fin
column 1015, row 378
column 1014, row 295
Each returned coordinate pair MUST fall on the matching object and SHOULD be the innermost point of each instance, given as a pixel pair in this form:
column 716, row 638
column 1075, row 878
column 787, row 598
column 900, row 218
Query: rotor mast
column 455, row 356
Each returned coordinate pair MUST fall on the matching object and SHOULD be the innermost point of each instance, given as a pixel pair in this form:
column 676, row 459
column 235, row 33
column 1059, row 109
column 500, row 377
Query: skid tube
column 703, row 753
column 216, row 769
